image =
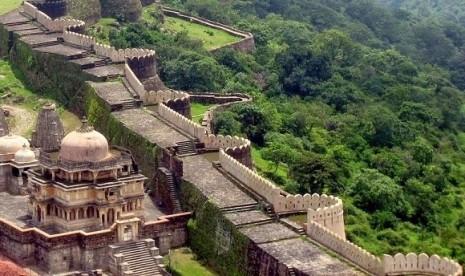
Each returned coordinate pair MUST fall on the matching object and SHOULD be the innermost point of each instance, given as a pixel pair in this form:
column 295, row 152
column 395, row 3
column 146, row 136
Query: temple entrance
column 128, row 229
column 127, row 233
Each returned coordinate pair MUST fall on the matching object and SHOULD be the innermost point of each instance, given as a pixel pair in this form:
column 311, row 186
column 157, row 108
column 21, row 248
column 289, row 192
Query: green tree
column 373, row 191
column 194, row 72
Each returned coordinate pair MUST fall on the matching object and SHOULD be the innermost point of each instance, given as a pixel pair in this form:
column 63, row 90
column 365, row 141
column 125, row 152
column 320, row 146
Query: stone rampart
column 420, row 264
column 236, row 147
column 352, row 252
column 324, row 210
column 400, row 264
column 185, row 124
column 57, row 25
column 135, row 83
column 246, row 44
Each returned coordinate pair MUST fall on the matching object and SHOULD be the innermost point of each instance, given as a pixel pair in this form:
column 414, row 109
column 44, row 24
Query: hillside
column 446, row 9
column 351, row 99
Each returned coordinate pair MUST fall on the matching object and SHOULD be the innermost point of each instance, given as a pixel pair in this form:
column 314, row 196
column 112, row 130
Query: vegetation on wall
column 226, row 254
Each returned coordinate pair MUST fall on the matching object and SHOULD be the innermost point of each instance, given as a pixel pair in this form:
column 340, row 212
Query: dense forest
column 350, row 98
column 449, row 10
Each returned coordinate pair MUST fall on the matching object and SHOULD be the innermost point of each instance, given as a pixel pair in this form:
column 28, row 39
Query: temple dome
column 11, row 143
column 84, row 144
column 24, row 155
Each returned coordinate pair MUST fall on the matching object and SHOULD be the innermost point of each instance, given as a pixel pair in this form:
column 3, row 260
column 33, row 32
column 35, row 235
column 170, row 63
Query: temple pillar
column 94, row 175
column 79, row 176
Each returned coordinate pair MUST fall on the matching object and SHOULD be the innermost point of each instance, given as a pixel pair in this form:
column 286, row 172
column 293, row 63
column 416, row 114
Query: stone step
column 266, row 221
column 240, row 208
column 45, row 44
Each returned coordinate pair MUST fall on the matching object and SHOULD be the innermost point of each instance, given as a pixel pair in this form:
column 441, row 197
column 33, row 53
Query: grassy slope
column 211, row 38
column 183, row 262
column 198, row 110
column 25, row 104
column 8, row 5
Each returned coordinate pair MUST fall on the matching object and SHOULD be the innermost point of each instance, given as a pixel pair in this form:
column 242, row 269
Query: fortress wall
column 79, row 250
column 345, row 248
column 30, row 10
column 135, row 83
column 331, row 217
column 57, row 25
column 78, row 39
column 420, row 264
column 324, row 210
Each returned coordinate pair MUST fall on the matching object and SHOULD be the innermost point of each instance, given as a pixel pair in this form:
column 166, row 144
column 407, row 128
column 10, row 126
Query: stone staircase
column 240, row 208
column 186, row 148
column 270, row 211
column 291, row 271
column 173, row 192
column 138, row 258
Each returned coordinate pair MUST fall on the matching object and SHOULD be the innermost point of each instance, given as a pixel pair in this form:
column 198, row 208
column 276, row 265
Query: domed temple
column 16, row 158
column 85, row 184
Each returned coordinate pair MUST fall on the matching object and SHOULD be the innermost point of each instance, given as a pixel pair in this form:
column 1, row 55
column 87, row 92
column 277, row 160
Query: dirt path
column 21, row 120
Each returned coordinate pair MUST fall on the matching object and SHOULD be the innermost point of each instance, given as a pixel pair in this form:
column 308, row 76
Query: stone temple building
column 16, row 158
column 49, row 130
column 85, row 184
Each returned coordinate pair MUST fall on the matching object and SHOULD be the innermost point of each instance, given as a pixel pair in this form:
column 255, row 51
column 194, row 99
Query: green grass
column 8, row 5
column 26, row 103
column 101, row 29
column 198, row 110
column 182, row 262
column 264, row 166
column 300, row 219
column 211, row 38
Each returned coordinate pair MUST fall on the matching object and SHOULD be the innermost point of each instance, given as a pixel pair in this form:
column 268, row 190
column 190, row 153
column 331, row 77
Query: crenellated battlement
column 420, row 264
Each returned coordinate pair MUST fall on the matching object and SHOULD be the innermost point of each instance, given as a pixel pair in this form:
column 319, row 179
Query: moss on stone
column 214, row 238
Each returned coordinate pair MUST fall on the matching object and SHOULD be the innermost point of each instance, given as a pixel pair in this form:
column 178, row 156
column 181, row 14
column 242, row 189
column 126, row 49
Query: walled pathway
column 280, row 242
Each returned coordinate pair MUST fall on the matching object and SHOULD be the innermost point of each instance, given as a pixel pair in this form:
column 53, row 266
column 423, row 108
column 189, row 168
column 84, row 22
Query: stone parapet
column 328, row 207
column 400, row 264
column 413, row 264
column 345, row 248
